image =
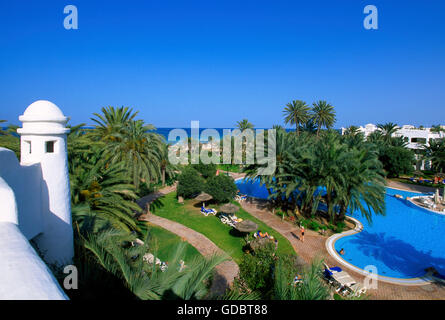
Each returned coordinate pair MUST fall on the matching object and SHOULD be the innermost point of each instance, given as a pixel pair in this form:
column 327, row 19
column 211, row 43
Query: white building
column 416, row 136
column 35, row 205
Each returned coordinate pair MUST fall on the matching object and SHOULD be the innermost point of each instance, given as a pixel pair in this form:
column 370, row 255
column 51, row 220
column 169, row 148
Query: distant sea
column 165, row 131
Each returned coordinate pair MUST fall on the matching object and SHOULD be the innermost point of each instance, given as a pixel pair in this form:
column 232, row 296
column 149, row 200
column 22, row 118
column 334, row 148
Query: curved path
column 225, row 271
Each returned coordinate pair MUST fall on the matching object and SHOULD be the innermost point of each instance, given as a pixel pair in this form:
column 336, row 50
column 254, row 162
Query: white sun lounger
column 343, row 278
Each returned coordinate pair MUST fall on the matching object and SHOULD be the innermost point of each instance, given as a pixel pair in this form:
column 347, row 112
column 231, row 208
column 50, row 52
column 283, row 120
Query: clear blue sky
column 221, row 61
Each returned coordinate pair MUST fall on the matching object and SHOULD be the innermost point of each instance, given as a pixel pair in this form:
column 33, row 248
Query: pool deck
column 314, row 246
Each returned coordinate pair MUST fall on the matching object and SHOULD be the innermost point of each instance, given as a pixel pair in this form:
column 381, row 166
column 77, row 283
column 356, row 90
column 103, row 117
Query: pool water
column 400, row 244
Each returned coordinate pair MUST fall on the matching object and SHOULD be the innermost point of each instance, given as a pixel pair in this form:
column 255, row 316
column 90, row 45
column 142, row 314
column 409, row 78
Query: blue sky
column 220, row 61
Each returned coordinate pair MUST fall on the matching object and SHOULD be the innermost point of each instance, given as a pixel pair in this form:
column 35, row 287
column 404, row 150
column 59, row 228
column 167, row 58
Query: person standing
column 302, row 233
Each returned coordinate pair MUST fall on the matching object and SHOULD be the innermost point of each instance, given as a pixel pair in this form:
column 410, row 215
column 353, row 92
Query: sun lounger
column 343, row 278
column 206, row 212
column 328, row 272
column 357, row 289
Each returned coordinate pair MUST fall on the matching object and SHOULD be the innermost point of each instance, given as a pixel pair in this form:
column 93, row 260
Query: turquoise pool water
column 401, row 244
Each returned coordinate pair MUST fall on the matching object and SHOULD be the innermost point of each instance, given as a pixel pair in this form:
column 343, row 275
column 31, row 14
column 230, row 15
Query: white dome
column 43, row 110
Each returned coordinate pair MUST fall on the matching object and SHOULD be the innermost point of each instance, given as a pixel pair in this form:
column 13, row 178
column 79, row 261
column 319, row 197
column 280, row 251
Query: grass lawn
column 210, row 226
column 167, row 242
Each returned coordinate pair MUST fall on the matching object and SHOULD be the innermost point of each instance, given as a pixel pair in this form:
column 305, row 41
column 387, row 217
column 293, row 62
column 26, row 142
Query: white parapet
column 23, row 275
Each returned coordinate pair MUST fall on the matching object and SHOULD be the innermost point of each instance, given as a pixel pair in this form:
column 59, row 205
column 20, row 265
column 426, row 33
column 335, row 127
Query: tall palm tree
column 111, row 122
column 297, row 113
column 139, row 150
column 243, row 125
column 167, row 169
column 434, row 151
column 387, row 130
column 323, row 115
column 352, row 131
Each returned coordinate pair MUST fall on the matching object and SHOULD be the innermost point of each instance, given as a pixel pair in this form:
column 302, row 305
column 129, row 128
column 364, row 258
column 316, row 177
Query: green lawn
column 212, row 227
column 167, row 242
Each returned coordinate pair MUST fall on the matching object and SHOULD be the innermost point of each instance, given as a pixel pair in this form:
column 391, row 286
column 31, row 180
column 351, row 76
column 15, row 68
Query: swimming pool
column 400, row 244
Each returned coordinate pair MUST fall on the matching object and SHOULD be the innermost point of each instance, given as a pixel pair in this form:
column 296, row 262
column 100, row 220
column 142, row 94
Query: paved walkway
column 411, row 187
column 314, row 247
column 225, row 271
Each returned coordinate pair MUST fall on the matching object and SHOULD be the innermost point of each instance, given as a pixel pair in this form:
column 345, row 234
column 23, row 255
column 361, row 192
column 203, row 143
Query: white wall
column 23, row 275
column 26, row 183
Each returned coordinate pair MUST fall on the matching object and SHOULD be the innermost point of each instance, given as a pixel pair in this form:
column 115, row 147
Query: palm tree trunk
column 163, row 177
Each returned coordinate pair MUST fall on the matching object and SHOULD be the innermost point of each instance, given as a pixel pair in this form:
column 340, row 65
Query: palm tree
column 323, row 114
column 167, row 169
column 434, row 151
column 139, row 151
column 148, row 282
column 112, row 121
column 352, row 131
column 243, row 125
column 131, row 143
column 297, row 113
column 387, row 130
column 102, row 195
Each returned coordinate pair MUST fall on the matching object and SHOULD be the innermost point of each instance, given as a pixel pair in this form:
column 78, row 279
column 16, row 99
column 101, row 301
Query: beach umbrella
column 203, row 197
column 246, row 226
column 229, row 208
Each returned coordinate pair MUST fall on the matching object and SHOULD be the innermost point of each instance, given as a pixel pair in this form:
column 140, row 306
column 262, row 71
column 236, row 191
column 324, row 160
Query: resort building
column 416, row 137
column 35, row 207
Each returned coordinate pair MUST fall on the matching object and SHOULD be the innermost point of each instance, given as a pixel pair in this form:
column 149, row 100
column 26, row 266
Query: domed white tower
column 43, row 141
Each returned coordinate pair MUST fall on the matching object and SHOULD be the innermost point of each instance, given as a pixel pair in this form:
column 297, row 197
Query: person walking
column 302, row 233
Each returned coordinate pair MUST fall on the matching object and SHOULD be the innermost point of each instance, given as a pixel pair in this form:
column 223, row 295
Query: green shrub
column 255, row 270
column 222, row 188
column 312, row 224
column 190, row 183
column 207, row 170
column 396, row 160
column 340, row 227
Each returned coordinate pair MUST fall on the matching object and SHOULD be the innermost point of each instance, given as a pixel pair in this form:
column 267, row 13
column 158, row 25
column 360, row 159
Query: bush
column 190, row 183
column 256, row 270
column 207, row 170
column 222, row 188
column 396, row 160
column 312, row 224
